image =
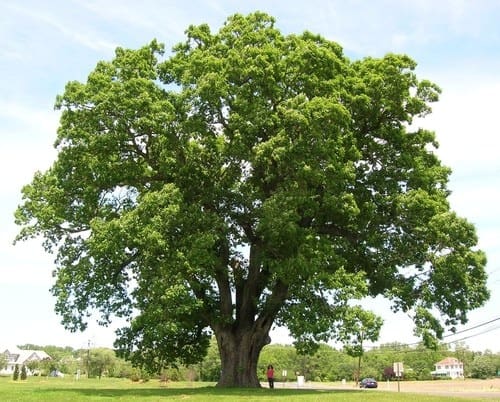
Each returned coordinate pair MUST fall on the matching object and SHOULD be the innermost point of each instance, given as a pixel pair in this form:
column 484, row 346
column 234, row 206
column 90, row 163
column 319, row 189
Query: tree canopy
column 248, row 179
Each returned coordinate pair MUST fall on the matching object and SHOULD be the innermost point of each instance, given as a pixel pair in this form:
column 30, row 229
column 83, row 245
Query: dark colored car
column 368, row 383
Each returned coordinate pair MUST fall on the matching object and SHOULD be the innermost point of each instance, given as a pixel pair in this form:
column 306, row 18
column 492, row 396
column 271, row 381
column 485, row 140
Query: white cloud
column 28, row 134
column 466, row 124
column 26, row 263
column 48, row 25
column 22, row 115
column 163, row 20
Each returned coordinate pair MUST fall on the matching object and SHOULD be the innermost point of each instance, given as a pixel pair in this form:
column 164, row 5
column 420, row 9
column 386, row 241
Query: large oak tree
column 246, row 180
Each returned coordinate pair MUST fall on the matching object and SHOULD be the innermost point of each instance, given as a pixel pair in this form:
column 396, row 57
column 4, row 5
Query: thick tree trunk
column 241, row 329
column 239, row 352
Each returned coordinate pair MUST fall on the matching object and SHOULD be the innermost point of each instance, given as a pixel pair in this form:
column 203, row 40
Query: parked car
column 368, row 383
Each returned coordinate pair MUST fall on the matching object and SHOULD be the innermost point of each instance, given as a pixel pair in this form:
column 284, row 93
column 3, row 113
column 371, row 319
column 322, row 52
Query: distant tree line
column 327, row 364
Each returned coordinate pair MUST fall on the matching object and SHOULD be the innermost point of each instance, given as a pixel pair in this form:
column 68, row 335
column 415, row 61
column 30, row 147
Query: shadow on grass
column 198, row 392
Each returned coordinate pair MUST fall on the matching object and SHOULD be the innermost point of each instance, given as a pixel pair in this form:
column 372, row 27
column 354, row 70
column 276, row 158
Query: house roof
column 19, row 356
column 449, row 361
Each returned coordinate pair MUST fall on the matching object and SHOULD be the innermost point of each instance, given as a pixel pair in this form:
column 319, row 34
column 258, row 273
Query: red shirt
column 270, row 373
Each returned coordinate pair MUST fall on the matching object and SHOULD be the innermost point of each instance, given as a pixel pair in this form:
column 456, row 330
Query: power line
column 471, row 328
column 398, row 348
column 473, row 336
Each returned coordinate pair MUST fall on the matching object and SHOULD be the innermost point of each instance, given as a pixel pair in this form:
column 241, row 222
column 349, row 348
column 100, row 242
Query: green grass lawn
column 106, row 389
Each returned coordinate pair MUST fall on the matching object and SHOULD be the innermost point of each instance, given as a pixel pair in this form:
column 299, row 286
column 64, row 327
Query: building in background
column 448, row 367
column 17, row 357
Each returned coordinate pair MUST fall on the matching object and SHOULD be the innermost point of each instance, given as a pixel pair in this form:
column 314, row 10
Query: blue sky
column 43, row 45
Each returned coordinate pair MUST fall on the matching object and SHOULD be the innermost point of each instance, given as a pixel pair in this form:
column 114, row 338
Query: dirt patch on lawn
column 480, row 389
column 483, row 389
column 468, row 385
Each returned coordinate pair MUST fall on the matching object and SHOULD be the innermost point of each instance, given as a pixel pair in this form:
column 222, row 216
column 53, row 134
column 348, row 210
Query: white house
column 449, row 367
column 17, row 357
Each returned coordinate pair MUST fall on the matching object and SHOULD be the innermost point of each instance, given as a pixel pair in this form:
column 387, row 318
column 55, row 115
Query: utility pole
column 88, row 360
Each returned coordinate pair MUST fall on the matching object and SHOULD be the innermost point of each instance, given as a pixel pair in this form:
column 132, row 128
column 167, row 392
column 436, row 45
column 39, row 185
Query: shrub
column 15, row 376
column 24, row 374
column 139, row 375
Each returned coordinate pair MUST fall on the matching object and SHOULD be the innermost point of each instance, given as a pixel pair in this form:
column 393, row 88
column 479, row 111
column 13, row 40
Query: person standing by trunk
column 270, row 376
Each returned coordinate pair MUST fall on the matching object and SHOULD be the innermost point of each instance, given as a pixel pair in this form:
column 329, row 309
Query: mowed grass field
column 106, row 389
